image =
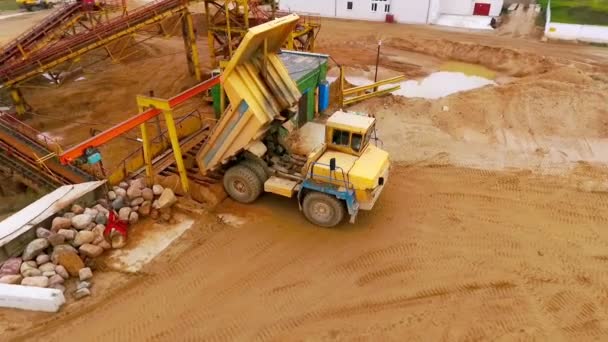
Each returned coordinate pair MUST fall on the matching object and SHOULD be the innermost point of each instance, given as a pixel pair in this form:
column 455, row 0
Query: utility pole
column 377, row 62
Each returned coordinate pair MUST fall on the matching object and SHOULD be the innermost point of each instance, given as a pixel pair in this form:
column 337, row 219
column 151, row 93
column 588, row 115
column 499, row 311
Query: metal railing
column 347, row 184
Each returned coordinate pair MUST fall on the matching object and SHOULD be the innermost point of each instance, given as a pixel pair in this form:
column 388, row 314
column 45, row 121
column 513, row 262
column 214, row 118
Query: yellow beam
column 190, row 40
column 363, row 88
column 18, row 101
column 177, row 151
column 359, row 98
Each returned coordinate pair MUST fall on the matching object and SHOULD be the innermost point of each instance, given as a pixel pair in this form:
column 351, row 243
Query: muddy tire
column 323, row 210
column 256, row 168
column 242, row 184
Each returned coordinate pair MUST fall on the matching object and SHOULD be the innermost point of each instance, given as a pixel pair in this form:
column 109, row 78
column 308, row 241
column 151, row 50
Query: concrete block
column 30, row 298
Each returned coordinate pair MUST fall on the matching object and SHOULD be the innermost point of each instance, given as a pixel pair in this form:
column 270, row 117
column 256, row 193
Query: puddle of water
column 440, row 84
column 469, row 69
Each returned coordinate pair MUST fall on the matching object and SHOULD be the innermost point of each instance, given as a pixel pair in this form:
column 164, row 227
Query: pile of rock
column 76, row 238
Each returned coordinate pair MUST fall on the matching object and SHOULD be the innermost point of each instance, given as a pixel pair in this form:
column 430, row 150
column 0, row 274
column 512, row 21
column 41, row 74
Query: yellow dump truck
column 341, row 176
column 36, row 4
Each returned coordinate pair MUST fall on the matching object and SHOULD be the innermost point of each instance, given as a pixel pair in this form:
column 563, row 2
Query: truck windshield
column 358, row 142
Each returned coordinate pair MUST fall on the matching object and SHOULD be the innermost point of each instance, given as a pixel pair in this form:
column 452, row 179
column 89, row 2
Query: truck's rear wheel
column 256, row 168
column 242, row 184
column 323, row 210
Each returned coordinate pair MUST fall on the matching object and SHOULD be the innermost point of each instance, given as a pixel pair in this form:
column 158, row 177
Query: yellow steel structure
column 358, row 94
column 259, row 88
column 145, row 102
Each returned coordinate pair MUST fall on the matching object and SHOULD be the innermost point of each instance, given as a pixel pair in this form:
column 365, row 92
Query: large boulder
column 11, row 279
column 56, row 279
column 31, row 272
column 47, row 267
column 166, row 199
column 101, row 209
column 42, row 233
column 91, row 212
column 69, row 215
column 101, row 218
column 11, row 266
column 91, row 251
column 111, row 195
column 38, row 281
column 137, row 201
column 133, row 217
column 85, row 274
column 77, row 209
column 28, row 265
column 147, row 194
column 81, row 293
column 58, row 250
column 144, row 208
column 84, row 236
column 123, row 213
column 42, row 259
column 118, row 203
column 157, row 189
column 68, row 234
column 60, row 270
column 134, row 191
column 34, row 248
column 71, row 262
column 61, row 223
column 120, row 192
column 123, row 185
column 57, row 239
column 82, row 221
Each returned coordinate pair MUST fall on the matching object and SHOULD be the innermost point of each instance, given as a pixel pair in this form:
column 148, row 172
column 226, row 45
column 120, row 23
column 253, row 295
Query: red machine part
column 115, row 224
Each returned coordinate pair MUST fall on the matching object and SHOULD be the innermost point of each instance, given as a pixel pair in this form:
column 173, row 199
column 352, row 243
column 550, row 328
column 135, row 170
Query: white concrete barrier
column 587, row 33
column 30, row 298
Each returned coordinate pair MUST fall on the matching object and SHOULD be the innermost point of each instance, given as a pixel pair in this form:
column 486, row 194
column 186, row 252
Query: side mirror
column 381, row 181
column 332, row 164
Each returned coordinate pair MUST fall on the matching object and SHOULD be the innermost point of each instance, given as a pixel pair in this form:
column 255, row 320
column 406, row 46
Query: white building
column 403, row 11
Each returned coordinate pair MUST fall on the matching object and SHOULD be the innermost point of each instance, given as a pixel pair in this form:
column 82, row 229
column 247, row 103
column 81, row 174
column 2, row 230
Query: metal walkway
column 20, row 150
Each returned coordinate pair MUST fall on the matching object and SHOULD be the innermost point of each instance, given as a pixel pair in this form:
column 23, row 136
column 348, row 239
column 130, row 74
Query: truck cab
column 347, row 166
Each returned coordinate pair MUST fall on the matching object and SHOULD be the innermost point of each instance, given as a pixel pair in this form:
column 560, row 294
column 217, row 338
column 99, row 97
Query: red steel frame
column 77, row 151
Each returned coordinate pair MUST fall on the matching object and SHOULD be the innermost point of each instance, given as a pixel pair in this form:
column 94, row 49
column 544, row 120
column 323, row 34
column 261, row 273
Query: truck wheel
column 323, row 210
column 256, row 168
column 242, row 184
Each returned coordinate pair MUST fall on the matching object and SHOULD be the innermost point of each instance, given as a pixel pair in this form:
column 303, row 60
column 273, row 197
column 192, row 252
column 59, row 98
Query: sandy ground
column 491, row 227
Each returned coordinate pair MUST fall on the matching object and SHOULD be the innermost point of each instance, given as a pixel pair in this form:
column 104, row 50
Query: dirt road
column 449, row 254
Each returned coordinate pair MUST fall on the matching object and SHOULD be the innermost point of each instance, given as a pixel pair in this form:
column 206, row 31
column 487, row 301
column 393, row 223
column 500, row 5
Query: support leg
column 183, row 175
column 190, row 45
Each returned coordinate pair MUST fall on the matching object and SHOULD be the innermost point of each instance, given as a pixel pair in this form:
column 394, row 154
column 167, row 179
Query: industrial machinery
column 344, row 175
column 31, row 5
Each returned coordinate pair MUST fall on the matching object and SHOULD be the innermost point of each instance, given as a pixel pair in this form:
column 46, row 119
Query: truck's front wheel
column 242, row 184
column 322, row 209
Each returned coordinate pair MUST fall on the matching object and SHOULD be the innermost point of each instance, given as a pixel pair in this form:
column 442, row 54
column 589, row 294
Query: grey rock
column 133, row 217
column 123, row 185
column 37, row 281
column 83, row 285
column 91, row 211
column 111, row 195
column 56, row 279
column 123, row 213
column 47, row 267
column 84, row 236
column 118, row 203
column 147, row 194
column 61, row 223
column 77, row 209
column 166, row 199
column 28, row 265
column 101, row 218
column 42, row 233
column 89, row 250
column 57, row 239
column 31, row 272
column 11, row 279
column 68, row 234
column 85, row 274
column 49, row 273
column 133, row 192
column 61, row 271
column 157, row 189
column 84, row 292
column 137, row 201
column 11, row 266
column 34, row 248
column 81, row 221
column 101, row 209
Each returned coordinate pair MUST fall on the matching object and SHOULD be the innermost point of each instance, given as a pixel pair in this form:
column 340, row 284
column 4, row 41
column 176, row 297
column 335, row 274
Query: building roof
column 300, row 64
column 345, row 119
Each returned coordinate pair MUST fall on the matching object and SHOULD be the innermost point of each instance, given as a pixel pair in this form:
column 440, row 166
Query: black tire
column 256, row 168
column 323, row 210
column 242, row 184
